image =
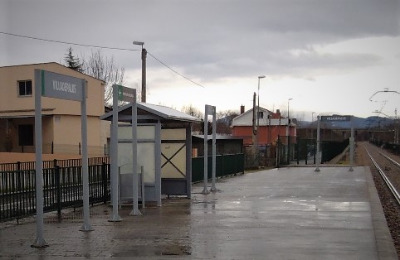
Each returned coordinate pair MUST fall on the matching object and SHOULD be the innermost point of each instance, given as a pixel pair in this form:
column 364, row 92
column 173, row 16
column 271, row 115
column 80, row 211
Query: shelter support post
column 114, row 158
column 318, row 162
column 39, row 241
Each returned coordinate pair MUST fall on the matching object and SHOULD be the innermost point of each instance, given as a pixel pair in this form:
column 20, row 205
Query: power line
column 68, row 43
column 198, row 84
column 101, row 47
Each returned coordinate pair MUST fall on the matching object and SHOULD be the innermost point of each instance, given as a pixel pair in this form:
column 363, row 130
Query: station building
column 61, row 119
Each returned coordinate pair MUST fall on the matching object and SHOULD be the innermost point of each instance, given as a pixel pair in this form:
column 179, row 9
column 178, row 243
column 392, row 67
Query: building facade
column 61, row 119
column 270, row 126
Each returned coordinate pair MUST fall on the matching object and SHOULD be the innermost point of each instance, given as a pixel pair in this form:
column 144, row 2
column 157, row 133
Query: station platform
column 285, row 213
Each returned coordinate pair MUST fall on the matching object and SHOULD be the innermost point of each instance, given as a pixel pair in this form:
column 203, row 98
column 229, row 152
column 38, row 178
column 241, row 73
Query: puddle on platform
column 149, row 250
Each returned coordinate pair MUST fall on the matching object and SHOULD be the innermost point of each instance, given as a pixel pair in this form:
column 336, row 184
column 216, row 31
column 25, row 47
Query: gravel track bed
column 389, row 203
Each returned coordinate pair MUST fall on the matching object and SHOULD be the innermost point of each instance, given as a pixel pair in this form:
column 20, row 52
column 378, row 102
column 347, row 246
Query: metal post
column 85, row 168
column 114, row 157
column 351, row 145
column 157, row 143
column 104, row 168
column 142, row 185
column 214, row 150
column 205, row 164
column 135, row 211
column 189, row 160
column 318, row 145
column 58, row 188
column 278, row 152
column 39, row 83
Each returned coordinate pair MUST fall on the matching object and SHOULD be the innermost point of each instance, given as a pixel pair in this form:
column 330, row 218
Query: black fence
column 62, row 186
column 289, row 151
column 225, row 165
column 389, row 146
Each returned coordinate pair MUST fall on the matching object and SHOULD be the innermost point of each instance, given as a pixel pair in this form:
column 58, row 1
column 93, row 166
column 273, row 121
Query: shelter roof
column 148, row 111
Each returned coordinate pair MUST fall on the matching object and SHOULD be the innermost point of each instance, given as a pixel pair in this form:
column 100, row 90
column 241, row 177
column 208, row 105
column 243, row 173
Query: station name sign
column 335, row 118
column 61, row 86
column 126, row 94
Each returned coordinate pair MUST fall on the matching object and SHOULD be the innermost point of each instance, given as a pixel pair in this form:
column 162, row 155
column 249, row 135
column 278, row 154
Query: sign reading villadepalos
column 61, row 86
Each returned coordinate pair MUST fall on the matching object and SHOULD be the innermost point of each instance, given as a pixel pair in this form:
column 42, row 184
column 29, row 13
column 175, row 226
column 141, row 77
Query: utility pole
column 144, row 56
column 255, row 130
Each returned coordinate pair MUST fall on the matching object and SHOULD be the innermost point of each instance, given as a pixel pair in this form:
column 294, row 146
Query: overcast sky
column 329, row 56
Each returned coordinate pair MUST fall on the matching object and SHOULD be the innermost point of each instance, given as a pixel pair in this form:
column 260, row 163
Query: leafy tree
column 72, row 62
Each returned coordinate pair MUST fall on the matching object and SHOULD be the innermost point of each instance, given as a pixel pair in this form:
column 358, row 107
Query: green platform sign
column 126, row 94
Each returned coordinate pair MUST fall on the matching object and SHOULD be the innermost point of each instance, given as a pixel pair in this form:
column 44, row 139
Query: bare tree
column 99, row 67
column 104, row 68
column 191, row 110
column 225, row 120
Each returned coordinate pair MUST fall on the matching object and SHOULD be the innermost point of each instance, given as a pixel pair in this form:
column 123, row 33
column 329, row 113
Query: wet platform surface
column 286, row 213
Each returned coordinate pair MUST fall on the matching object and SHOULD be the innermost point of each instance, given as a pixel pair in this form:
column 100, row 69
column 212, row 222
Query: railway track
column 389, row 184
column 385, row 169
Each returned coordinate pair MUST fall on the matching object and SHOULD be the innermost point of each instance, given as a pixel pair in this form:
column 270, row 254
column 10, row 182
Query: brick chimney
column 277, row 114
column 241, row 109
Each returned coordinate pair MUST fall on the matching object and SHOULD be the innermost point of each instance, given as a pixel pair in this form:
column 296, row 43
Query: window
column 261, row 115
column 25, row 88
column 25, row 135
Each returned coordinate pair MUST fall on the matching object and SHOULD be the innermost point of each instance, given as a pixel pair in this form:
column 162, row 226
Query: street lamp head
column 261, row 77
column 138, row 43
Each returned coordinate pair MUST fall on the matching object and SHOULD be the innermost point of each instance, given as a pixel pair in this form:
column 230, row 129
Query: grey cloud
column 203, row 39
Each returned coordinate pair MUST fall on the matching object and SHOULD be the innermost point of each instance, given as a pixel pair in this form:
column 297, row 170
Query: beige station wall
column 67, row 135
column 12, row 103
column 61, row 118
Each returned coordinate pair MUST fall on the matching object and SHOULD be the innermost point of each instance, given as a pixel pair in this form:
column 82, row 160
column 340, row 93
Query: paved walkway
column 286, row 213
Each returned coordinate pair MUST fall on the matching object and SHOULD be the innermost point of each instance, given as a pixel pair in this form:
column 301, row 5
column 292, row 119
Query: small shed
column 164, row 148
column 226, row 144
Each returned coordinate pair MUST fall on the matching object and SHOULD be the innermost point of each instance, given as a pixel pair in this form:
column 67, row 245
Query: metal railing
column 227, row 164
column 62, row 186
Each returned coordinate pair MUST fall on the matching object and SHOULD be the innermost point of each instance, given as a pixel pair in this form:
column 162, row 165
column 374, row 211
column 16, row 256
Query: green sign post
column 121, row 93
column 54, row 85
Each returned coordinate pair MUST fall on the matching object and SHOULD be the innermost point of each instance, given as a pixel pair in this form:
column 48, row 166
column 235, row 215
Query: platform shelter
column 164, row 139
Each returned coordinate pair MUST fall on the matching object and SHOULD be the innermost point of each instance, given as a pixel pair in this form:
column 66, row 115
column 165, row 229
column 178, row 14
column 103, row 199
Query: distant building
column 225, row 144
column 61, row 119
column 271, row 125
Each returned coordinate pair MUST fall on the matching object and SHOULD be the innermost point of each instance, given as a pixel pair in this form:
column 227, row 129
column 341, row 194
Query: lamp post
column 258, row 103
column 258, row 119
column 288, row 116
column 144, row 55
